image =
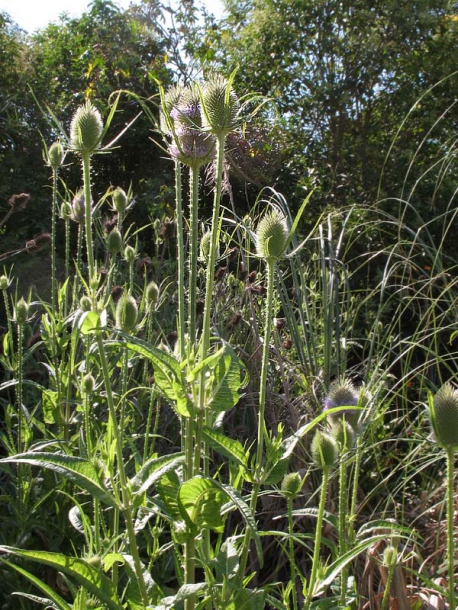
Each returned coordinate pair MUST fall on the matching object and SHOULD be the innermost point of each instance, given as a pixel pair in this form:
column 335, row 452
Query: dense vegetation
column 229, row 307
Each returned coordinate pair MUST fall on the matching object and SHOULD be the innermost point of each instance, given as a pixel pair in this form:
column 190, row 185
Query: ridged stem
column 86, row 158
column 450, row 527
column 53, row 240
column 193, row 250
column 319, row 527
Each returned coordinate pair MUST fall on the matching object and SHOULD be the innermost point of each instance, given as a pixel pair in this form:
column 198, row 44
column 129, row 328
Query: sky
column 31, row 15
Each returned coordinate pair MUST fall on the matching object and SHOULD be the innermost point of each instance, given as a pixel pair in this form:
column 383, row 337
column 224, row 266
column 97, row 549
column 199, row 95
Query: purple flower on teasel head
column 342, row 393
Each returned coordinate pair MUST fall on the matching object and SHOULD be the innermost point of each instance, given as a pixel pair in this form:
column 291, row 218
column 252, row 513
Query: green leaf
column 227, row 562
column 78, row 470
column 52, row 595
column 89, row 577
column 224, row 380
column 229, row 447
column 200, row 502
column 153, row 470
column 51, row 413
column 90, row 322
column 167, row 488
column 167, row 372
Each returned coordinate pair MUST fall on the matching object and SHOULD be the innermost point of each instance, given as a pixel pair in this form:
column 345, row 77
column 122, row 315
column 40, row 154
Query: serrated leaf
column 228, row 447
column 224, row 381
column 153, row 470
column 89, row 577
column 78, row 470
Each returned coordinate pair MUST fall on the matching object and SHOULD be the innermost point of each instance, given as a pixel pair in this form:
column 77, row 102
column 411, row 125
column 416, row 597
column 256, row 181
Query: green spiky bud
column 4, row 282
column 291, row 485
column 88, row 384
column 120, row 200
column 126, row 313
column 78, row 208
column 66, row 210
column 272, row 235
column 205, row 245
column 21, row 311
column 344, row 433
column 170, row 101
column 114, row 241
column 443, row 410
column 56, row 155
column 86, row 129
column 324, row 450
column 85, row 303
column 152, row 293
column 220, row 106
column 390, row 556
column 129, row 254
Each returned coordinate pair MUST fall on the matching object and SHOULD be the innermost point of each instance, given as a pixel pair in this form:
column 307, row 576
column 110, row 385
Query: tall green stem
column 125, row 493
column 181, row 261
column 450, row 527
column 292, row 560
column 53, row 240
column 319, row 527
column 193, row 250
column 86, row 157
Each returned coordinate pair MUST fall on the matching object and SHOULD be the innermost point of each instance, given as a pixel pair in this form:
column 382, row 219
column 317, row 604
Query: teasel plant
column 443, row 414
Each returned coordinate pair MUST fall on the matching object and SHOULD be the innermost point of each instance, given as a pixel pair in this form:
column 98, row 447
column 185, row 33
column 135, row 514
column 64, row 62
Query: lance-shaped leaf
column 153, row 470
column 224, row 445
column 167, row 372
column 78, row 470
column 86, row 575
column 53, row 597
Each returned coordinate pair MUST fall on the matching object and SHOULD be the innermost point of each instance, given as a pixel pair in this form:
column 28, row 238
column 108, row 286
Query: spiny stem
column 193, row 251
column 319, row 526
column 86, row 157
column 450, row 527
column 53, row 240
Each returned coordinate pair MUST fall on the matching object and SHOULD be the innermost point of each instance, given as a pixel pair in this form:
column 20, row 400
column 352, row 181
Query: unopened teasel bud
column 86, row 129
column 272, row 235
column 324, row 450
column 444, row 416
column 126, row 313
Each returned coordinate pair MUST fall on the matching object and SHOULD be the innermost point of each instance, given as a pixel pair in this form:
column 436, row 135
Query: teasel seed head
column 324, row 450
column 86, row 129
column 78, row 212
column 272, row 235
column 114, row 241
column 126, row 313
column 85, row 303
column 444, row 416
column 291, row 485
column 56, row 154
column 4, row 282
column 220, row 106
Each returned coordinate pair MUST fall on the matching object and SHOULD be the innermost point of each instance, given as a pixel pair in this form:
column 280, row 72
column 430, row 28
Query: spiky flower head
column 88, row 384
column 66, row 210
column 55, row 156
column 181, row 120
column 443, row 411
column 86, row 129
column 129, row 254
column 21, row 311
column 324, row 450
column 114, row 241
column 291, row 485
column 126, row 313
column 4, row 282
column 85, row 303
column 152, row 293
column 272, row 235
column 120, row 200
column 220, row 106
column 78, row 209
column 342, row 393
column 205, row 245
column 344, row 433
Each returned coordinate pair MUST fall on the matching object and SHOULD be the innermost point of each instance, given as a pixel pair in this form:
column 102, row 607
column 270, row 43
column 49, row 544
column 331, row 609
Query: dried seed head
column 86, row 129
column 220, row 106
column 444, row 416
column 56, row 155
column 272, row 235
column 291, row 485
column 324, row 450
column 114, row 241
column 126, row 313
